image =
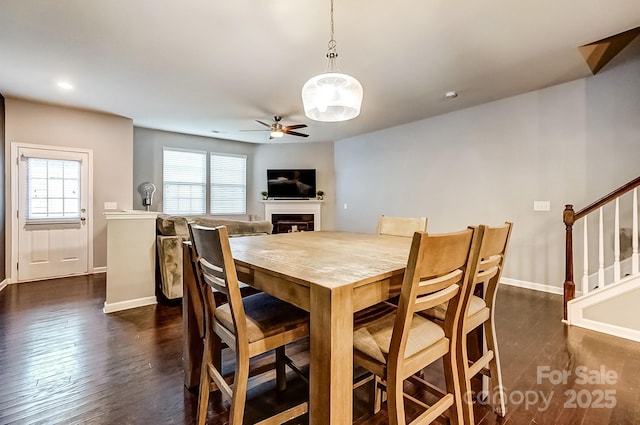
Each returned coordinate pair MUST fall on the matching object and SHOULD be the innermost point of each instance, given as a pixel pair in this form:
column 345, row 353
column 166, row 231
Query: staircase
column 609, row 292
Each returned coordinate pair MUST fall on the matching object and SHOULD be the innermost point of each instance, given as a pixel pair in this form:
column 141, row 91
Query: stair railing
column 570, row 217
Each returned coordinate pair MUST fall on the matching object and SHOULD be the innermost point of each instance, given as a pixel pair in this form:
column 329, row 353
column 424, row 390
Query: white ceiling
column 194, row 66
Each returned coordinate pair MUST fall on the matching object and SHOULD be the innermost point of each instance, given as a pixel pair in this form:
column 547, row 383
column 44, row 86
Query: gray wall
column 147, row 159
column 566, row 144
column 571, row 143
column 298, row 155
column 147, row 165
column 109, row 136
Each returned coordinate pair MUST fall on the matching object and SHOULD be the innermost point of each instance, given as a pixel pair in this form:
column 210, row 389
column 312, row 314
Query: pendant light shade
column 332, row 96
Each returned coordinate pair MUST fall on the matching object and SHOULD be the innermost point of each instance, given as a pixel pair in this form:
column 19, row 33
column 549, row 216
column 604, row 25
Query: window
column 53, row 189
column 228, row 184
column 185, row 182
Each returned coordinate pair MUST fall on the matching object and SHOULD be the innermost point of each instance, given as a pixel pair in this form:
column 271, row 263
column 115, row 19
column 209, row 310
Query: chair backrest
column 202, row 287
column 493, row 251
column 401, row 226
column 218, row 271
column 439, row 269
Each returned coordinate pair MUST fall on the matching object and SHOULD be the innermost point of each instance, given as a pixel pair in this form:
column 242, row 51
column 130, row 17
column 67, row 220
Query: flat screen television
column 291, row 184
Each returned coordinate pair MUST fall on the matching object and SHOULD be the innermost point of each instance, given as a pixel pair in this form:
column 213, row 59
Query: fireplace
column 290, row 215
column 283, row 223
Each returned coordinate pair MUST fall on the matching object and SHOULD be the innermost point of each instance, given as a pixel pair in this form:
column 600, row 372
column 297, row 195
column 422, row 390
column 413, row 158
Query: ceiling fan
column 279, row 130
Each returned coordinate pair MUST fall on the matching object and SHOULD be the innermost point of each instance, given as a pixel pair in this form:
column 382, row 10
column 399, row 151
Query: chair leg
column 378, row 394
column 375, row 393
column 455, row 384
column 240, row 386
column 281, row 373
column 395, row 400
column 205, row 385
column 497, row 389
column 216, row 357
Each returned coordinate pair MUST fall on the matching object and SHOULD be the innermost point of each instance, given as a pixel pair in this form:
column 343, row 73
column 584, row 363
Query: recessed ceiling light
column 450, row 95
column 65, row 85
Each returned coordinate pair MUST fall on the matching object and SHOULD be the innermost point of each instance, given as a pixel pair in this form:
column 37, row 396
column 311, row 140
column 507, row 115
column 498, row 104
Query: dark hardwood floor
column 63, row 361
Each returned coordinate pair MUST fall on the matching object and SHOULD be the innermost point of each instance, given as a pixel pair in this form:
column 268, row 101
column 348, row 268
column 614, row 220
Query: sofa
column 172, row 230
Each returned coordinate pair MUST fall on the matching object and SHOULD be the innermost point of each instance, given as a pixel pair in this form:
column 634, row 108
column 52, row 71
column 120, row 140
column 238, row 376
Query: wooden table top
column 328, row 259
column 328, row 274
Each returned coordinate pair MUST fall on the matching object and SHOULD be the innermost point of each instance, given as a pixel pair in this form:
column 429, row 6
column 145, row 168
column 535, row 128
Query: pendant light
column 332, row 96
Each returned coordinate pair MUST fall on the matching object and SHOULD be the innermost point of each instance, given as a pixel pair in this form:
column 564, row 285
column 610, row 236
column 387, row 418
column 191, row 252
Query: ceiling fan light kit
column 276, row 129
column 332, row 96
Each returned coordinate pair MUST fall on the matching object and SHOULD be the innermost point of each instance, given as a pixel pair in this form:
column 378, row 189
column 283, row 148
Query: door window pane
column 53, row 189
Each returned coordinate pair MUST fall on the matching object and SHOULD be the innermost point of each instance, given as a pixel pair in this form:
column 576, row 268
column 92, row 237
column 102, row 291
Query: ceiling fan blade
column 293, row 127
column 295, row 133
column 264, row 123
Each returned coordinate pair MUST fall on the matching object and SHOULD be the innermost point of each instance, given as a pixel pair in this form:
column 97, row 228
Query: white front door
column 52, row 213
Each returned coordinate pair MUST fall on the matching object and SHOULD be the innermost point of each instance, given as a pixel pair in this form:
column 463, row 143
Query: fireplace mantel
column 288, row 206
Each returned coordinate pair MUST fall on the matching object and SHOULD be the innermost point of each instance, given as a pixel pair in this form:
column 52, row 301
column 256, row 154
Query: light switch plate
column 541, row 206
column 110, row 205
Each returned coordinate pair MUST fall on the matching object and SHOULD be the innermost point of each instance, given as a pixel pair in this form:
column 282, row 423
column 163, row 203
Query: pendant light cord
column 332, row 54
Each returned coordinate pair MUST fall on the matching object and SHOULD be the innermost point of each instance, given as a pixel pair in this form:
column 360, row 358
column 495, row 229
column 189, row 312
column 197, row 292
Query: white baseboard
column 531, row 285
column 577, row 306
column 125, row 305
column 4, row 284
column 624, row 285
column 95, row 270
column 609, row 329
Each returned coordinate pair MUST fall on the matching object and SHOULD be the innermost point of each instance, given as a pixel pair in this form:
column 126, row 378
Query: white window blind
column 184, row 182
column 53, row 188
column 228, row 184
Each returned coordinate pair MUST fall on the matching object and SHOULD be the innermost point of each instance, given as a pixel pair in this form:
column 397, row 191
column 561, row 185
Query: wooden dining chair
column 197, row 298
column 396, row 345
column 250, row 326
column 392, row 226
column 219, row 297
column 401, row 226
column 480, row 317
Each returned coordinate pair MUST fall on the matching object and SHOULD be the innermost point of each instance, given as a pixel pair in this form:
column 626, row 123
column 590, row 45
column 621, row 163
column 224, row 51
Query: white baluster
column 634, row 233
column 585, row 275
column 616, row 243
column 601, row 251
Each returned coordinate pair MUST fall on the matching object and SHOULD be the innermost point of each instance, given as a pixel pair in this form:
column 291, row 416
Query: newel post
column 568, row 216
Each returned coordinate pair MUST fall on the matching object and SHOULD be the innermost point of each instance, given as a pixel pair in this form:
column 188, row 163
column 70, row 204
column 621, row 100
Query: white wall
column 109, row 136
column 571, row 143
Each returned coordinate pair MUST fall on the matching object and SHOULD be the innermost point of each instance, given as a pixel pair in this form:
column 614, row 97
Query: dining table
column 330, row 274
